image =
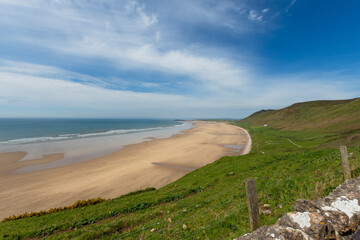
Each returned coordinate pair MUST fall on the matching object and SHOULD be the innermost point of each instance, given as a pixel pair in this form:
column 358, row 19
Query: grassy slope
column 340, row 117
column 210, row 201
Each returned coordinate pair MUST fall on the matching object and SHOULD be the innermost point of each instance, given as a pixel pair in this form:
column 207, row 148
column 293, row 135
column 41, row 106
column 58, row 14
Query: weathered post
column 345, row 162
column 253, row 205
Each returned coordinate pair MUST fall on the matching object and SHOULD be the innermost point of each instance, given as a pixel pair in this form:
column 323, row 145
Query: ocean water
column 79, row 139
column 40, row 130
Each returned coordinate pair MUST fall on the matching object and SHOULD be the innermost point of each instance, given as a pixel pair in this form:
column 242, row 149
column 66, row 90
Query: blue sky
column 174, row 59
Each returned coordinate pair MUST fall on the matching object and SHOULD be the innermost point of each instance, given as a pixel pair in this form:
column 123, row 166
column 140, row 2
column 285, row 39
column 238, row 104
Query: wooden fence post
column 253, row 205
column 345, row 162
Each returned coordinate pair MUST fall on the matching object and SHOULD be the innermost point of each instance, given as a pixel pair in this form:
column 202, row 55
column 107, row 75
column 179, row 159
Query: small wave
column 31, row 140
column 85, row 135
column 68, row 135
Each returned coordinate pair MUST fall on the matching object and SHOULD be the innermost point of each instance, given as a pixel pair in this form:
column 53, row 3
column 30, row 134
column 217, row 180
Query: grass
column 208, row 203
column 337, row 117
column 78, row 204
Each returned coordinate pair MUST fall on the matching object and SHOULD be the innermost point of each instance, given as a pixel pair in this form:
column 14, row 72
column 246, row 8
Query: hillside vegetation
column 210, row 203
column 338, row 117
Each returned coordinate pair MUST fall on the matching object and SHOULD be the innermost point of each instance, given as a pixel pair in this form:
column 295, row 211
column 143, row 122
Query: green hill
column 295, row 157
column 339, row 117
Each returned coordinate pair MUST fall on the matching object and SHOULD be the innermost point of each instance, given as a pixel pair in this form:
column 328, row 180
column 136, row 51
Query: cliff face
column 336, row 216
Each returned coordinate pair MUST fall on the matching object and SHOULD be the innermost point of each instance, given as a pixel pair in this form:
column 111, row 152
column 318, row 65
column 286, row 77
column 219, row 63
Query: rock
column 342, row 208
column 336, row 216
column 312, row 223
column 276, row 232
column 267, row 212
column 265, row 209
column 356, row 236
column 339, row 220
column 302, row 205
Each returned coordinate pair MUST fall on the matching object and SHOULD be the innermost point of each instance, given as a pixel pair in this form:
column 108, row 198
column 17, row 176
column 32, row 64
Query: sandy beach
column 149, row 164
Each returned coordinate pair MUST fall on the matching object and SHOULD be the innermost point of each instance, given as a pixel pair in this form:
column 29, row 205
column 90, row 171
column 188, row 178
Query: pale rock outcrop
column 336, row 216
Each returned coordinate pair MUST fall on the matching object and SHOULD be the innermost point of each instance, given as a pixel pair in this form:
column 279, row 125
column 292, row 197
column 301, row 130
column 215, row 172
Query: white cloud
column 25, row 94
column 214, row 72
column 147, row 19
column 29, row 92
column 292, row 3
column 124, row 35
column 204, row 12
column 133, row 37
column 30, row 69
column 209, row 71
column 255, row 16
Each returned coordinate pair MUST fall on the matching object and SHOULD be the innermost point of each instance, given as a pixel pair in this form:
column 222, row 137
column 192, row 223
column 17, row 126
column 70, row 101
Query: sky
column 174, row 59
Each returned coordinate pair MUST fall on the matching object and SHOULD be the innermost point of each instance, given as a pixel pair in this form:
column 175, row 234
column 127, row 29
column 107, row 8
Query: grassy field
column 340, row 118
column 209, row 203
column 296, row 156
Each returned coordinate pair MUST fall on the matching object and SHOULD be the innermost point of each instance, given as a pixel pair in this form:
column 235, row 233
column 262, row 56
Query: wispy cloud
column 48, row 91
column 149, row 48
column 255, row 16
column 288, row 7
column 127, row 36
column 147, row 19
column 39, row 93
column 29, row 69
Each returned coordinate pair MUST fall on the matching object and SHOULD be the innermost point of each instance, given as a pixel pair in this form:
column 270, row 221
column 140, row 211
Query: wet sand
column 149, row 164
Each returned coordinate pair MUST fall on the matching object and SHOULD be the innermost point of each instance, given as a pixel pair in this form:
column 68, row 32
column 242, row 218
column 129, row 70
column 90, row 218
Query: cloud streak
column 42, row 92
column 127, row 36
column 154, row 64
column 255, row 16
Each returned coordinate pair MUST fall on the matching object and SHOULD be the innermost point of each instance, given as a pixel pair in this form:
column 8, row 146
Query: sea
column 79, row 139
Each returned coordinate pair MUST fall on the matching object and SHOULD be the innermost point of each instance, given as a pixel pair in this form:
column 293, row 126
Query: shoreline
column 137, row 166
column 82, row 149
